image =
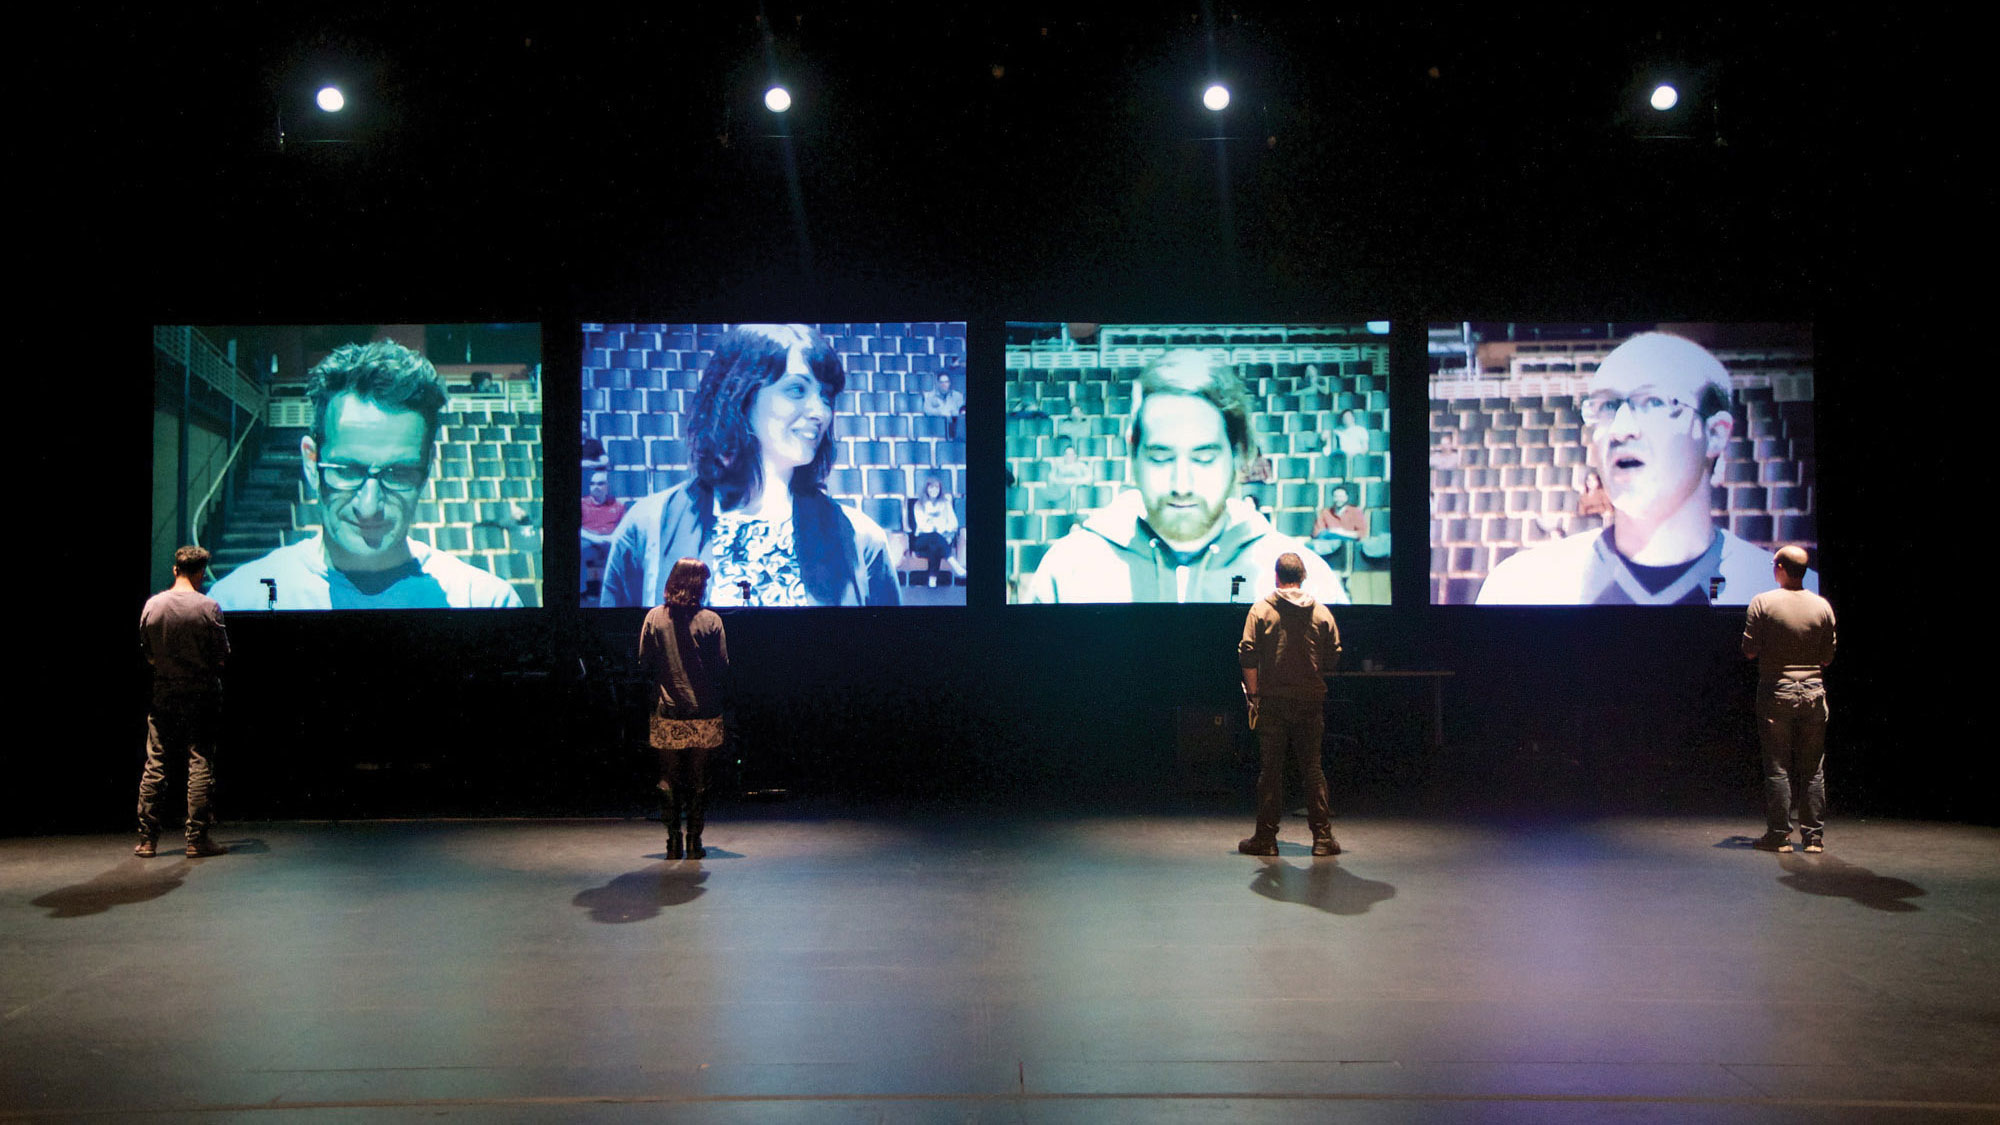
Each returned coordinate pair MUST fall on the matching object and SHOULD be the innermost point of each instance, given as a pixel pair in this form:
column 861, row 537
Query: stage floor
column 942, row 967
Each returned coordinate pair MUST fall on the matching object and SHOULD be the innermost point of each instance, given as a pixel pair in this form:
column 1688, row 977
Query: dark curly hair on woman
column 724, row 452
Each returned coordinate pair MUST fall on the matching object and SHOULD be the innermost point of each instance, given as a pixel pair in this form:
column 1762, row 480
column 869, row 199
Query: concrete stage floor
column 927, row 967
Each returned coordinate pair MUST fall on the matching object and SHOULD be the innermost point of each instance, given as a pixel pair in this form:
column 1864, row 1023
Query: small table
column 1436, row 677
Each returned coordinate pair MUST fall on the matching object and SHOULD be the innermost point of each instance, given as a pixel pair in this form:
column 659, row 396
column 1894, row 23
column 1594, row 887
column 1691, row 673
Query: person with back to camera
column 1657, row 420
column 1290, row 642
column 182, row 635
column 1789, row 633
column 755, row 507
column 936, row 523
column 683, row 650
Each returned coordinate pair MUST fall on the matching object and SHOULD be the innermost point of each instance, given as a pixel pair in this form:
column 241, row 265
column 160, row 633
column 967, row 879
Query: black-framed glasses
column 343, row 477
column 1599, row 408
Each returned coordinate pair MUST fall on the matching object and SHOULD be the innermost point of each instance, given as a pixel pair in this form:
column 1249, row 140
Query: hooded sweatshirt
column 1114, row 556
column 1290, row 638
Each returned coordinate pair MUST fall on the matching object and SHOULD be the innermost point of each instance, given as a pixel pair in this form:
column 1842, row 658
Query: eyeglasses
column 1598, row 409
column 342, row 477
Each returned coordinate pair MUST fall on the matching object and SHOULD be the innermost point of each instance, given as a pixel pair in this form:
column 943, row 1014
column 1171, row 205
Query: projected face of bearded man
column 1185, row 449
column 1658, row 418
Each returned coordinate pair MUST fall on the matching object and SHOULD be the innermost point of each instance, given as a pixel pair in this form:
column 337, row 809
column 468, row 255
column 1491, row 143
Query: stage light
column 1378, row 328
column 1665, row 97
column 330, row 99
column 1216, row 97
column 777, row 99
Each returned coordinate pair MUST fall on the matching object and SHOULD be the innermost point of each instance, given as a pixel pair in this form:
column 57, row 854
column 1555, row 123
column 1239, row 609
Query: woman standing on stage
column 681, row 647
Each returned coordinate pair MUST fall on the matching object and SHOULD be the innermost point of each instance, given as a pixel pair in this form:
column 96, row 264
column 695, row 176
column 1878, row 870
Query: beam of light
column 330, row 99
column 1216, row 97
column 1665, row 97
column 777, row 99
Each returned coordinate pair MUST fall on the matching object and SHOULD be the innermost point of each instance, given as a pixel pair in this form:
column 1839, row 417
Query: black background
column 601, row 166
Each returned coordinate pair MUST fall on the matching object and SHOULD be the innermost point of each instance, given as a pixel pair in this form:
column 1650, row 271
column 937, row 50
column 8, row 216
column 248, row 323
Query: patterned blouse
column 760, row 552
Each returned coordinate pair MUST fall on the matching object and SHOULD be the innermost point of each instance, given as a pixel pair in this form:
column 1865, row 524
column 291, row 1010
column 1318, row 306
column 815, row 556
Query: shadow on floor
column 133, row 881
column 639, row 895
column 1825, row 875
column 1322, row 885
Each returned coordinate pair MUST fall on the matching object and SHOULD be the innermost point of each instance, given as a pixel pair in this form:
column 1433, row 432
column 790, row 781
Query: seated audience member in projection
column 1350, row 439
column 1340, row 524
column 755, row 507
column 1179, row 534
column 1656, row 419
column 935, row 522
column 369, row 450
column 1594, row 501
column 600, row 514
column 1068, row 474
column 1074, row 428
column 943, row 402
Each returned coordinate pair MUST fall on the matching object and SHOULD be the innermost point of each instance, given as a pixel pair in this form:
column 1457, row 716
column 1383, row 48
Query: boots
column 697, row 814
column 670, row 813
column 1262, row 843
column 1324, row 843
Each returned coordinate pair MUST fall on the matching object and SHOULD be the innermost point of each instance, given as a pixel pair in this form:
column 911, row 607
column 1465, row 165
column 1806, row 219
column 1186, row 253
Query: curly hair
column 725, row 454
column 385, row 373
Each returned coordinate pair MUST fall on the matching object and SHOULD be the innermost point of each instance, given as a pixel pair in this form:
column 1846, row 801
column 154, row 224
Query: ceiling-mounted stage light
column 777, row 99
column 330, row 99
column 1216, row 97
column 1665, row 97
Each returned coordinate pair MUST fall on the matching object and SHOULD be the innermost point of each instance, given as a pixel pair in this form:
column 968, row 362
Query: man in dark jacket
column 1289, row 643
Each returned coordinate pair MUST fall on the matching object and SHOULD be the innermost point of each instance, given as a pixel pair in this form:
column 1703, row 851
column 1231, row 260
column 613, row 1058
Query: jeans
column 1290, row 729
column 1791, row 728
column 183, row 725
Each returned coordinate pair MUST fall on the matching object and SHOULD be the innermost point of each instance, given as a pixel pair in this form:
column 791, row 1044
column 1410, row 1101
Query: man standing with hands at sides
column 181, row 633
column 1789, row 633
column 1289, row 643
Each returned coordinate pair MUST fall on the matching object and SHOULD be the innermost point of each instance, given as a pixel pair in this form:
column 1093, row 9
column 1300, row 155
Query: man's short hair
column 1792, row 560
column 750, row 357
column 1666, row 347
column 1186, row 371
column 385, row 373
column 1291, row 569
column 191, row 561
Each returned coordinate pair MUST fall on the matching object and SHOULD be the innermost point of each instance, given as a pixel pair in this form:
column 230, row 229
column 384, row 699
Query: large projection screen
column 1253, row 440
column 683, row 423
column 373, row 466
column 1618, row 464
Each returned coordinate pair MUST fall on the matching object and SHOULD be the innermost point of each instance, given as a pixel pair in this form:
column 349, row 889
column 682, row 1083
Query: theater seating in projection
column 1290, row 418
column 639, row 378
column 488, row 473
column 1523, row 462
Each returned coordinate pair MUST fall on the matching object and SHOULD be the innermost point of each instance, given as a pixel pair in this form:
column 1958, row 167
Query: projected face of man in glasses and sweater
column 366, row 460
column 1179, row 534
column 1656, row 418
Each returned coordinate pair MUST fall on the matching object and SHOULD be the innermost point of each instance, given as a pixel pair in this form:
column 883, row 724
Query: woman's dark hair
column 724, row 452
column 687, row 585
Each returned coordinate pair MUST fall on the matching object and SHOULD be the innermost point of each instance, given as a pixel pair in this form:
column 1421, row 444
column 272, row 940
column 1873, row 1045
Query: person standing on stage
column 683, row 650
column 1289, row 643
column 1789, row 633
column 182, row 635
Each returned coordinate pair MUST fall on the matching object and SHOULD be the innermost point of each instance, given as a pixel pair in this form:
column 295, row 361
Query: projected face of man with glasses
column 366, row 460
column 368, row 470
column 1656, row 418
